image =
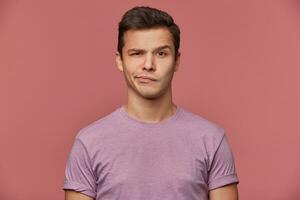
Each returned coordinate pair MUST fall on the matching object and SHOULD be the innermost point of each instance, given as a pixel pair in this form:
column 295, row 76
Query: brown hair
column 144, row 18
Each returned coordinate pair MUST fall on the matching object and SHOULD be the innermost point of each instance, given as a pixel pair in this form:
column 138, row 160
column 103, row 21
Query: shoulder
column 205, row 135
column 97, row 130
column 201, row 124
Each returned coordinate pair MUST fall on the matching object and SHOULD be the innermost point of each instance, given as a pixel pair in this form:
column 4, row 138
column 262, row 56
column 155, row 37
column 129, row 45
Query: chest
column 164, row 161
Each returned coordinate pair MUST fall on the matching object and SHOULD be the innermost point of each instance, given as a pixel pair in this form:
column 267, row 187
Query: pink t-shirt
column 120, row 157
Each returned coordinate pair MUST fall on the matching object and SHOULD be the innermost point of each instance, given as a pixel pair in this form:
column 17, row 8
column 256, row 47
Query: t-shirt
column 179, row 158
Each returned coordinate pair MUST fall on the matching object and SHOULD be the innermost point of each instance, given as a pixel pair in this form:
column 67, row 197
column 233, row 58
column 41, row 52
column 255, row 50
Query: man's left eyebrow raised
column 164, row 47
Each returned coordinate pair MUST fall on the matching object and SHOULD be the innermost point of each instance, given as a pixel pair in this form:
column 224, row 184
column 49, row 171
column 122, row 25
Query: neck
column 150, row 110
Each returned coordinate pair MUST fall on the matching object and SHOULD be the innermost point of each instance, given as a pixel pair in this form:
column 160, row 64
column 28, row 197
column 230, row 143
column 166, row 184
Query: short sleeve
column 79, row 175
column 222, row 170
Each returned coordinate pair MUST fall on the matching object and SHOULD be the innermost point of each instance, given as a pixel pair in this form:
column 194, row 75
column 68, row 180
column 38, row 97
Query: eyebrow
column 157, row 49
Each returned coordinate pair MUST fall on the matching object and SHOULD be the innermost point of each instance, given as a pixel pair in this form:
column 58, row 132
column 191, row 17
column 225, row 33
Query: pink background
column 240, row 68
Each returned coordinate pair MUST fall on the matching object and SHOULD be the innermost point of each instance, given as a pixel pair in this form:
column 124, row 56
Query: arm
column 80, row 180
column 228, row 192
column 73, row 195
column 223, row 179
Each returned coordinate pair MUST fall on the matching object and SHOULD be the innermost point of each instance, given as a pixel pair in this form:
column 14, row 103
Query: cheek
column 167, row 69
column 133, row 63
column 128, row 67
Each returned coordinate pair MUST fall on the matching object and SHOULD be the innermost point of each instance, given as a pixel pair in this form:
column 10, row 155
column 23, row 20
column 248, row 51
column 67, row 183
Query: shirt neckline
column 137, row 122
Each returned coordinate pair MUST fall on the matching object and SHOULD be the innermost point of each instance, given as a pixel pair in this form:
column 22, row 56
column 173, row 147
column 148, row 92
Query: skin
column 72, row 195
column 228, row 192
column 150, row 52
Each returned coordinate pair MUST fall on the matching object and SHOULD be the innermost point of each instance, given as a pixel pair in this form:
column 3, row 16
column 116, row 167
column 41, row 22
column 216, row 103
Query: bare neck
column 150, row 110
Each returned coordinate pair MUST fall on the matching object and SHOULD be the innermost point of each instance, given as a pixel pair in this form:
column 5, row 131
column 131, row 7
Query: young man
column 150, row 148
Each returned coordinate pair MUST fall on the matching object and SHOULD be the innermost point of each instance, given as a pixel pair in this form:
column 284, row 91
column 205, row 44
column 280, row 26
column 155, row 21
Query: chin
column 151, row 96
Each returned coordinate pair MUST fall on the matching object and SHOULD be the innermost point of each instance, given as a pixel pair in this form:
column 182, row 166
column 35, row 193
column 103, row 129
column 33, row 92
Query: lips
column 145, row 79
column 142, row 77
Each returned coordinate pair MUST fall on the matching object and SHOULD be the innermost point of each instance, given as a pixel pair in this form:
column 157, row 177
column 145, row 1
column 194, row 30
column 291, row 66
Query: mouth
column 145, row 79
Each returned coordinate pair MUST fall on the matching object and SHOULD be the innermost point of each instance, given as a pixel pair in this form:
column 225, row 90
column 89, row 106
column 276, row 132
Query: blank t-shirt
column 121, row 158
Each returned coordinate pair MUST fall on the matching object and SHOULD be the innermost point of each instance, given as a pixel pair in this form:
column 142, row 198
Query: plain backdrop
column 239, row 68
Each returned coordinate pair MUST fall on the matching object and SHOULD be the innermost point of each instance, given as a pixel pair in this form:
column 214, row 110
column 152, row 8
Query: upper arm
column 222, row 170
column 73, row 195
column 79, row 173
column 228, row 192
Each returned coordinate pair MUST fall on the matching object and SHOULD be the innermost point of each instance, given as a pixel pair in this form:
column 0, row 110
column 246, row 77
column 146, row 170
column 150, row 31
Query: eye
column 138, row 53
column 161, row 54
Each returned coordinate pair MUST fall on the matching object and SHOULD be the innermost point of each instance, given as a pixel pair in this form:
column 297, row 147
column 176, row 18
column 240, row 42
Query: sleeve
column 222, row 170
column 79, row 175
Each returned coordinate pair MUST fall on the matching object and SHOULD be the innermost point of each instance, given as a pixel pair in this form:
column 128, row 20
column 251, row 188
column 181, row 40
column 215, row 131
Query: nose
column 149, row 63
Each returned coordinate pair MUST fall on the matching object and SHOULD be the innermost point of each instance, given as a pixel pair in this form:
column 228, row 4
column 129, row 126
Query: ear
column 119, row 62
column 177, row 62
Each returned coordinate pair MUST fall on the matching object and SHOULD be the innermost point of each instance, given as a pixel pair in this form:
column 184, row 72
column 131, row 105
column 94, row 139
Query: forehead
column 147, row 38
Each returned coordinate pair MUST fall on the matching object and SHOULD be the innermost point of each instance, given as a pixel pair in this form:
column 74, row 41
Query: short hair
column 143, row 17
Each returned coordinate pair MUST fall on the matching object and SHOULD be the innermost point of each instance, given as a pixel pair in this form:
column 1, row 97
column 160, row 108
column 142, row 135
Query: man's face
column 148, row 62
